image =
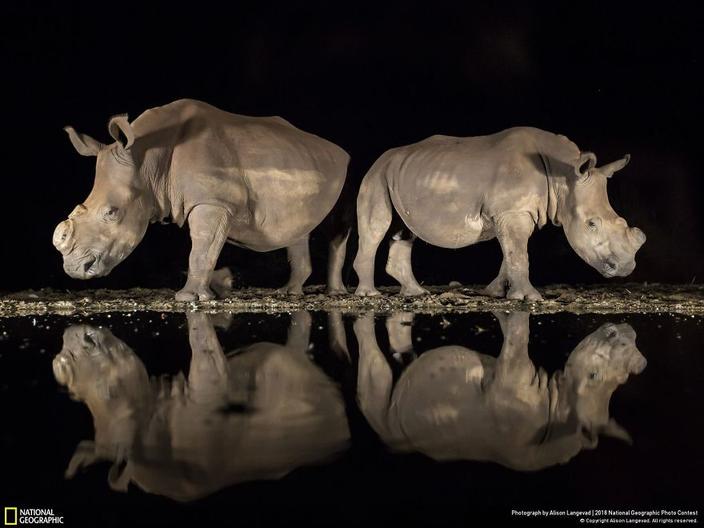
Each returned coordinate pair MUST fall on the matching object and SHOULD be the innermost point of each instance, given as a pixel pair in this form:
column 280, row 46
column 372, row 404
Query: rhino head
column 598, row 235
column 103, row 230
column 595, row 369
column 104, row 373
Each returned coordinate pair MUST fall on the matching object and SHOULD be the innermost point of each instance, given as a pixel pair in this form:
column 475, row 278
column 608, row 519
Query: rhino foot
column 528, row 293
column 199, row 294
column 337, row 291
column 364, row 291
column 414, row 290
column 290, row 290
column 497, row 288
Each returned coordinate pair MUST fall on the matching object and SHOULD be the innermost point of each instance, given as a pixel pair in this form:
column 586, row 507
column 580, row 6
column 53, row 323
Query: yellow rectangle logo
column 10, row 516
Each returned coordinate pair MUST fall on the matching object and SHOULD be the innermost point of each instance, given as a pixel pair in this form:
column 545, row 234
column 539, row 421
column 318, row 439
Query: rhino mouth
column 88, row 266
column 609, row 268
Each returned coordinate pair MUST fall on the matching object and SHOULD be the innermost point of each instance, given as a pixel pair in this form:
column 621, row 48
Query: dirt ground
column 620, row 298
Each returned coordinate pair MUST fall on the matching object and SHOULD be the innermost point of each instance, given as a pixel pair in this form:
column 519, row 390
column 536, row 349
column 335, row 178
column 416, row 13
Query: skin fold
column 453, row 192
column 453, row 403
column 256, row 413
column 257, row 182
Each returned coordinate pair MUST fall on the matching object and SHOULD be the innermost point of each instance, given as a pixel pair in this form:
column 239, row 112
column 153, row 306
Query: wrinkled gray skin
column 257, row 182
column 453, row 403
column 257, row 414
column 454, row 192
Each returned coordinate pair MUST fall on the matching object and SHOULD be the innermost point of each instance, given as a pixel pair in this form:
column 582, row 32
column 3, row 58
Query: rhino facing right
column 453, row 192
column 453, row 403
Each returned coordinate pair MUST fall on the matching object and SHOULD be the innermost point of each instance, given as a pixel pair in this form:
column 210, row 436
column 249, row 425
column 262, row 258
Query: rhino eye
column 593, row 224
column 111, row 214
column 593, row 375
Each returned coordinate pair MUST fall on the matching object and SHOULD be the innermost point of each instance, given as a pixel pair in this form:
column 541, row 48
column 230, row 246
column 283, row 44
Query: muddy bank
column 622, row 298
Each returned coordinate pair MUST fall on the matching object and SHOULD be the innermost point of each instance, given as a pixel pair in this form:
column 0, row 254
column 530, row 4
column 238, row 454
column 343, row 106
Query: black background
column 614, row 79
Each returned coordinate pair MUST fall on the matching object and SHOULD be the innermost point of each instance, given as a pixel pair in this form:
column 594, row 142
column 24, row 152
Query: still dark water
column 322, row 419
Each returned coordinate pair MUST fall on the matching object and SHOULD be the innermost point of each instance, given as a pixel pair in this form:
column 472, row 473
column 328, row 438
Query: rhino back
column 277, row 181
column 448, row 189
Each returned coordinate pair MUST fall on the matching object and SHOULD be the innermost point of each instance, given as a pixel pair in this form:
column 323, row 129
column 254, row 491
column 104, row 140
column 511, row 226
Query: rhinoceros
column 454, row 192
column 254, row 415
column 256, row 182
column 453, row 403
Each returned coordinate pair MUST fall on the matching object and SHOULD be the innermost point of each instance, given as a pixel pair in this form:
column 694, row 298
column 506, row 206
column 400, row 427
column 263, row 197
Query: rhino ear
column 588, row 159
column 84, row 144
column 609, row 169
column 117, row 124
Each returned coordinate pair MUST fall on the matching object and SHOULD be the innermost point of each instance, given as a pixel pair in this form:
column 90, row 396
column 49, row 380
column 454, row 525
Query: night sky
column 615, row 80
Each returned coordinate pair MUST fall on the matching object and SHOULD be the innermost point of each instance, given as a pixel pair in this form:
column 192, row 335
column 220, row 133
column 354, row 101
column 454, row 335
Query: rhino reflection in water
column 257, row 414
column 454, row 403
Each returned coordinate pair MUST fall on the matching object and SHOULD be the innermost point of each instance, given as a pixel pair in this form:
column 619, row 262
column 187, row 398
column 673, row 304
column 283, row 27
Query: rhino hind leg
column 221, row 282
column 374, row 380
column 298, row 338
column 399, row 327
column 513, row 231
column 299, row 260
column 399, row 266
column 208, row 225
column 336, row 260
column 373, row 220
column 337, row 337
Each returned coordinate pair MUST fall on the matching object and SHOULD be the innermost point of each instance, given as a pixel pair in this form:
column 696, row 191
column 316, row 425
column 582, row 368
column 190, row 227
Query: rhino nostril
column 88, row 264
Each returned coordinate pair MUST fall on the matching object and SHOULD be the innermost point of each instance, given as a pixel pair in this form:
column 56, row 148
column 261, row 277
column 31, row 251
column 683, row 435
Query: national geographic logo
column 14, row 516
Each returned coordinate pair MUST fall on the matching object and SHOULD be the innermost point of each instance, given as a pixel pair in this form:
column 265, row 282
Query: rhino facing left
column 256, row 182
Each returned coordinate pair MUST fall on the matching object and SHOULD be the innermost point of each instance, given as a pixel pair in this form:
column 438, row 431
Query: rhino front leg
column 515, row 372
column 513, row 232
column 207, row 375
column 209, row 226
column 299, row 260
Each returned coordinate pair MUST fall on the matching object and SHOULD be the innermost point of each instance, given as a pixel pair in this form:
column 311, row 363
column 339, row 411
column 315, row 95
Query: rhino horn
column 83, row 143
column 117, row 124
column 636, row 236
column 119, row 475
column 586, row 157
column 614, row 430
column 84, row 456
column 609, row 169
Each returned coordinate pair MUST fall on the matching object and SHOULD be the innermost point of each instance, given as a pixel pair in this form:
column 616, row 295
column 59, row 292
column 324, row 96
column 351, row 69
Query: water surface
column 318, row 418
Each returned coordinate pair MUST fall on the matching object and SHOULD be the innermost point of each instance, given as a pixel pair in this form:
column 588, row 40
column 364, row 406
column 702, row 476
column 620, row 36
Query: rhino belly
column 443, row 220
column 283, row 207
column 439, row 401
